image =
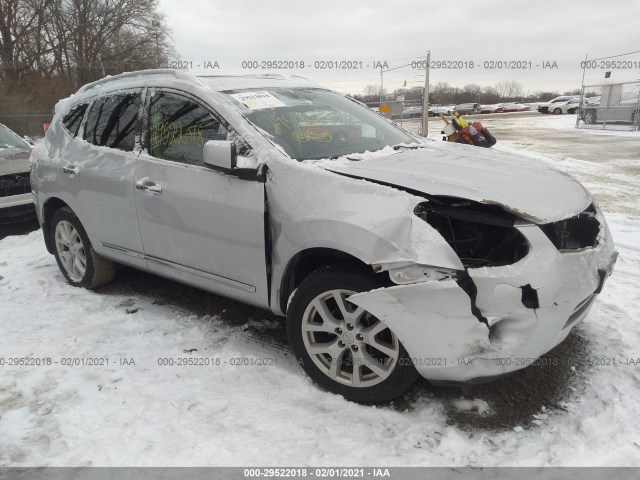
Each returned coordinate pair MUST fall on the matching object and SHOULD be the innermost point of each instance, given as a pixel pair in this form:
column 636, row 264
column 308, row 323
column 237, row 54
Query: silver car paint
column 532, row 191
column 98, row 184
column 208, row 222
column 15, row 161
column 310, row 207
column 463, row 348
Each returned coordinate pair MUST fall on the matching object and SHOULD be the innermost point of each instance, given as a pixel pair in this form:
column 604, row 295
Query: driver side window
column 179, row 127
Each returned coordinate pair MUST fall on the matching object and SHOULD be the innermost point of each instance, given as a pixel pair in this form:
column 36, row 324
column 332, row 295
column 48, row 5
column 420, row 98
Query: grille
column 14, row 185
column 19, row 213
column 576, row 232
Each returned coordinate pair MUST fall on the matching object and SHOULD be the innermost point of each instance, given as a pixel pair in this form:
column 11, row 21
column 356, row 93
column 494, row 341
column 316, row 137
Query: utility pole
column 381, row 83
column 581, row 104
column 425, row 98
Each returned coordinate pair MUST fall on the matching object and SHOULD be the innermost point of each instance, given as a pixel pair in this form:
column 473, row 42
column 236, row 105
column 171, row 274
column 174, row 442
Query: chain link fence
column 610, row 93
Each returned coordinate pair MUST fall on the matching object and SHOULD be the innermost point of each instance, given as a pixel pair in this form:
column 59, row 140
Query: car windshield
column 8, row 139
column 313, row 123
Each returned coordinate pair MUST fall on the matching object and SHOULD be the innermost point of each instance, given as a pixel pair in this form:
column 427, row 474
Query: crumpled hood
column 526, row 187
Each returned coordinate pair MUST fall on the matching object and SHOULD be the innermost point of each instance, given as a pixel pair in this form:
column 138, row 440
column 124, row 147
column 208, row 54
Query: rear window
column 113, row 121
column 73, row 118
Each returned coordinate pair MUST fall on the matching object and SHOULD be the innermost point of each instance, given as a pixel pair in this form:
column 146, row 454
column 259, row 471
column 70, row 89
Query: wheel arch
column 307, row 261
column 50, row 207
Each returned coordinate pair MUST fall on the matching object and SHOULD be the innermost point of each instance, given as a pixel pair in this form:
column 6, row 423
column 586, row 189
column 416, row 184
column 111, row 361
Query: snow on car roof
column 242, row 82
column 169, row 77
column 180, row 78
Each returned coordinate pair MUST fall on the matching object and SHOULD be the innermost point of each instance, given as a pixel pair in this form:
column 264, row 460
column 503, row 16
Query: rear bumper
column 525, row 310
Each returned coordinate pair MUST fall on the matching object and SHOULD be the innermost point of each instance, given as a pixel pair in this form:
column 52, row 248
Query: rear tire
column 76, row 258
column 557, row 111
column 590, row 117
column 336, row 342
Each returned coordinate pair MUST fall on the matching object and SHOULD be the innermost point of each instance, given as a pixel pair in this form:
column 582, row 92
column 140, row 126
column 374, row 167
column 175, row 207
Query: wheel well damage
column 307, row 261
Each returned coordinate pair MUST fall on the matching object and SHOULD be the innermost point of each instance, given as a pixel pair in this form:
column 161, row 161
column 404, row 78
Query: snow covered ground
column 252, row 405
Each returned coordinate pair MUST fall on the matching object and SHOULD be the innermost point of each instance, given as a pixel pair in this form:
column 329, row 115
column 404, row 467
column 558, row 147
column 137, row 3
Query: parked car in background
column 16, row 201
column 467, row 108
column 549, row 106
column 391, row 256
column 436, row 110
column 414, row 111
column 488, row 108
column 627, row 112
column 511, row 107
column 570, row 106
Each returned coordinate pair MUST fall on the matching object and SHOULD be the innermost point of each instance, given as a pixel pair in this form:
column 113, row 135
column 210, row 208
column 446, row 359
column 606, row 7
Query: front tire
column 342, row 347
column 557, row 111
column 76, row 258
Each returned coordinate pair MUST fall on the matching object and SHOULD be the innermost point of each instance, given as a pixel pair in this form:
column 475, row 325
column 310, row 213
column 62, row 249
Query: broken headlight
column 481, row 235
column 576, row 232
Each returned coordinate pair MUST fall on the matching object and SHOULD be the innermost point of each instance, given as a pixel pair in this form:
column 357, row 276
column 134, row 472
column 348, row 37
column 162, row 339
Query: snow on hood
column 530, row 189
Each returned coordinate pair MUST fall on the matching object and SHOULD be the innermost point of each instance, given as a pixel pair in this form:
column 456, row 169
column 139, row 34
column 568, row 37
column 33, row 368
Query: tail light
column 46, row 127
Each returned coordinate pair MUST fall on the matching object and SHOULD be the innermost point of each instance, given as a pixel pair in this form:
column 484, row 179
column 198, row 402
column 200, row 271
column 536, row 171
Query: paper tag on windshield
column 258, row 100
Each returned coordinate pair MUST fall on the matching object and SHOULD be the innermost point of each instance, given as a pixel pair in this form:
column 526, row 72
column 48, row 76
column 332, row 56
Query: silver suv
column 389, row 255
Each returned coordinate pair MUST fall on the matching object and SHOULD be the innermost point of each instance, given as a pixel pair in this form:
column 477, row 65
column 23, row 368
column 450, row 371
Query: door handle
column 147, row 185
column 71, row 170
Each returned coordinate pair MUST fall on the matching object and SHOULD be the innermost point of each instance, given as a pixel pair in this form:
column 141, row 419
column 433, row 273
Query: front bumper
column 523, row 310
column 16, row 200
column 16, row 208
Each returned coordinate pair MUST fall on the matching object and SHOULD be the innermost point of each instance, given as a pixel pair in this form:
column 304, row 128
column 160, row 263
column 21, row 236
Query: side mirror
column 220, row 154
column 28, row 139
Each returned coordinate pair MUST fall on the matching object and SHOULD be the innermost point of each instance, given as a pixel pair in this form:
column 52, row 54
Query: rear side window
column 73, row 118
column 179, row 127
column 113, row 121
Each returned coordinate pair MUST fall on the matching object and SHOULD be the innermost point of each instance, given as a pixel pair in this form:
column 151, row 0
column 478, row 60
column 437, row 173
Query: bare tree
column 442, row 92
column 19, row 31
column 48, row 48
column 490, row 95
column 509, row 88
column 372, row 93
column 471, row 92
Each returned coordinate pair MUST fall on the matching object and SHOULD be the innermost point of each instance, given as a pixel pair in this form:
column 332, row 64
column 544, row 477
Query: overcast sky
column 234, row 31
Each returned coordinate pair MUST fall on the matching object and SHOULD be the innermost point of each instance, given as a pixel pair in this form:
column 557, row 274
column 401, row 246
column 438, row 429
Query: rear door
column 97, row 174
column 198, row 225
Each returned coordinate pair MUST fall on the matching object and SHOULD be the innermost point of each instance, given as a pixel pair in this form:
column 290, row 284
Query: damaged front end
column 523, row 286
column 481, row 235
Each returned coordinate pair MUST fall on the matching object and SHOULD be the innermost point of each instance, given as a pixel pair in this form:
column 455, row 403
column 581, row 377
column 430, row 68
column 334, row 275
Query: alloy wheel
column 346, row 342
column 70, row 250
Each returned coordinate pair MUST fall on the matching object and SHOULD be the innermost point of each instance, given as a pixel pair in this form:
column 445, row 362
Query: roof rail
column 177, row 74
column 283, row 76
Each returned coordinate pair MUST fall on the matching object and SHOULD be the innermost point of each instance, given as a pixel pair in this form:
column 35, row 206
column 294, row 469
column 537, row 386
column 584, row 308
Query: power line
column 614, row 56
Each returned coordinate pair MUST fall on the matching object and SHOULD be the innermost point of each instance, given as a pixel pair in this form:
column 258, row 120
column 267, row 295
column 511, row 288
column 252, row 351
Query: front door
column 198, row 225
